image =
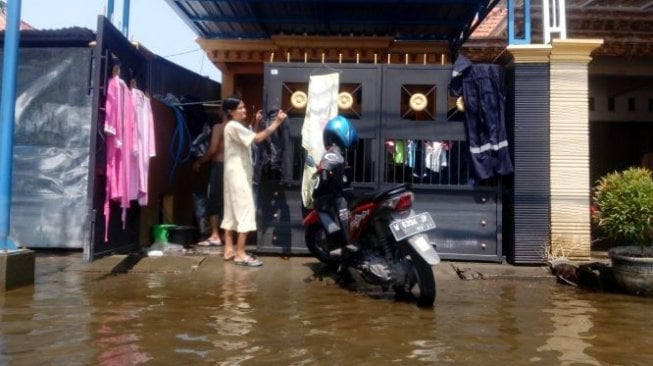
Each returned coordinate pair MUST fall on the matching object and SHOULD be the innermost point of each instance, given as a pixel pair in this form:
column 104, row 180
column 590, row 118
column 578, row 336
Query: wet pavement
column 197, row 309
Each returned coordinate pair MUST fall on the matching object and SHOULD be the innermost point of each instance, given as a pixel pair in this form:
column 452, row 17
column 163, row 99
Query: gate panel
column 409, row 133
column 467, row 222
column 425, row 145
column 360, row 82
column 283, row 199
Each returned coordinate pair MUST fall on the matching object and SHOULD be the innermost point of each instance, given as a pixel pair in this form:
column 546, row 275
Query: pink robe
column 146, row 145
column 121, row 148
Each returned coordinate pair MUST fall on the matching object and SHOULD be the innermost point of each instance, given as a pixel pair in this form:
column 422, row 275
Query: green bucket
column 160, row 233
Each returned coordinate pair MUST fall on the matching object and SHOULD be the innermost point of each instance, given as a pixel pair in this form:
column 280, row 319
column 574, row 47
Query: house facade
column 578, row 104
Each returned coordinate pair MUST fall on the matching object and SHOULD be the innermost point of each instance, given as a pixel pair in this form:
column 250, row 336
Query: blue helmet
column 341, row 132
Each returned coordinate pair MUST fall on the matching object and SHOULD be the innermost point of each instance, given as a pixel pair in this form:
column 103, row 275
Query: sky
column 152, row 23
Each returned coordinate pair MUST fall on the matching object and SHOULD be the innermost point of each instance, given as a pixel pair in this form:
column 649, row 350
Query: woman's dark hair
column 230, row 104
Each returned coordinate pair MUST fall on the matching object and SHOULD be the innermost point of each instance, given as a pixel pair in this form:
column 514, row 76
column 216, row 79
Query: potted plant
column 624, row 211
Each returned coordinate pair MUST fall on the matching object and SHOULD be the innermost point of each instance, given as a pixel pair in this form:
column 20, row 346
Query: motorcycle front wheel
column 319, row 246
column 420, row 283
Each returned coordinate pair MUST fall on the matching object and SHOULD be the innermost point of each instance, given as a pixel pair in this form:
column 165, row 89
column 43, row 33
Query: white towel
column 322, row 106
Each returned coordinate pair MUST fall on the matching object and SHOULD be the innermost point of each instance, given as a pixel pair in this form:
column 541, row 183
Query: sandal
column 210, row 243
column 229, row 257
column 248, row 262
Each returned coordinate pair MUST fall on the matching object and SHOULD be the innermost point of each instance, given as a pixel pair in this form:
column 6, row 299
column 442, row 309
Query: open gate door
column 111, row 48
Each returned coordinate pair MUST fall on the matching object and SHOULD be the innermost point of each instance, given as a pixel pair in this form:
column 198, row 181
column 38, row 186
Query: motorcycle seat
column 379, row 195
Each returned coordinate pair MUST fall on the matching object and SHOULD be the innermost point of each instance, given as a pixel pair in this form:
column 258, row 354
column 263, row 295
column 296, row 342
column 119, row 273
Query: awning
column 407, row 20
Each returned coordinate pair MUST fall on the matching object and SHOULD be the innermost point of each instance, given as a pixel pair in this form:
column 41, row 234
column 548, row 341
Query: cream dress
column 239, row 211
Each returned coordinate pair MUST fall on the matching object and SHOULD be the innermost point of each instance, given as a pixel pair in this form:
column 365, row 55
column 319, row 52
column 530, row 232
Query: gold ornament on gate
column 298, row 99
column 345, row 100
column 418, row 102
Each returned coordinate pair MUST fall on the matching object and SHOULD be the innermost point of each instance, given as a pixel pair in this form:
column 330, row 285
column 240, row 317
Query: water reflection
column 39, row 323
column 117, row 340
column 292, row 313
column 430, row 351
column 233, row 322
column 572, row 322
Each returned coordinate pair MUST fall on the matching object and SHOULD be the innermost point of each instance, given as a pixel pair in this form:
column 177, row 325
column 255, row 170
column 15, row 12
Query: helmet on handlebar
column 341, row 132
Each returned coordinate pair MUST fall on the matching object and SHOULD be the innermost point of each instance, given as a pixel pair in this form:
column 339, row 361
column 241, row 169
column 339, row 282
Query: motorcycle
column 377, row 236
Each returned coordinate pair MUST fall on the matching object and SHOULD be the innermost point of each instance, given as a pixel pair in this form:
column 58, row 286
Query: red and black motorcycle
column 376, row 235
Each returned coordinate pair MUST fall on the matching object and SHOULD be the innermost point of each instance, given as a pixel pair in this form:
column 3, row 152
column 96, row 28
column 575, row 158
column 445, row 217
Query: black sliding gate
column 409, row 132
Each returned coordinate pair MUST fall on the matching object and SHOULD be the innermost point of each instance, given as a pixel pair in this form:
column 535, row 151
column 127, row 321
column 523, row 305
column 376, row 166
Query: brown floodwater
column 290, row 312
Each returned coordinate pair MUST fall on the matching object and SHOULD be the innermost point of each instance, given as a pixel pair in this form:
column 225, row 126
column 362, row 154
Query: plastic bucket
column 183, row 235
column 160, row 233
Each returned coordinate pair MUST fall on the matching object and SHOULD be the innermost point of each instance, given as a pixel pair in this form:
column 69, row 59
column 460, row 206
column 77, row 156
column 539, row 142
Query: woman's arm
column 264, row 134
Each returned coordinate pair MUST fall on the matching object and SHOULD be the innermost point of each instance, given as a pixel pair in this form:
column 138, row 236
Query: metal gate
column 111, row 48
column 409, row 132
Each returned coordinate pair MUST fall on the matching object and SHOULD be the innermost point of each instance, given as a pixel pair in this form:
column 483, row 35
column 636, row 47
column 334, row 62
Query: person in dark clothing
column 215, row 201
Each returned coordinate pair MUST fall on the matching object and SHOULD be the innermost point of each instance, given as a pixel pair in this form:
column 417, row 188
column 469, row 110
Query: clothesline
column 210, row 103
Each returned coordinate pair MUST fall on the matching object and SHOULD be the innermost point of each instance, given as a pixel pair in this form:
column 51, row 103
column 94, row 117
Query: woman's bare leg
column 240, row 246
column 215, row 232
column 229, row 244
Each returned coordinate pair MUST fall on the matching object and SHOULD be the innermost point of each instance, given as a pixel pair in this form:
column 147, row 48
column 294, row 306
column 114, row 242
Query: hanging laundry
column 411, row 149
column 390, row 146
column 435, row 157
column 399, row 153
column 275, row 153
column 201, row 143
column 481, row 86
column 146, row 142
column 122, row 142
column 322, row 106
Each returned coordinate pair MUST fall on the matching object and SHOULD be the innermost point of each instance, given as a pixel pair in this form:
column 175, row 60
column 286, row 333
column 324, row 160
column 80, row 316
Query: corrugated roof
column 444, row 20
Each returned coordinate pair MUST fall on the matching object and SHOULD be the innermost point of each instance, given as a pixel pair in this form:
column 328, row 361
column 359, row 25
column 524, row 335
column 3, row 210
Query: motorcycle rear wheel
column 319, row 246
column 420, row 283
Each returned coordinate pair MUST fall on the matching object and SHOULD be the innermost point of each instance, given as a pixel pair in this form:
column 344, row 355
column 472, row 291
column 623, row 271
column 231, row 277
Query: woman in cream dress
column 239, row 211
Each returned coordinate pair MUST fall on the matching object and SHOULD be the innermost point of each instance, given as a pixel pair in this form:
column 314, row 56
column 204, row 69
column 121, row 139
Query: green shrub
column 624, row 206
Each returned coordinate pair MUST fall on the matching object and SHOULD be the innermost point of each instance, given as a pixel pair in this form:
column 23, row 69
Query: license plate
column 410, row 226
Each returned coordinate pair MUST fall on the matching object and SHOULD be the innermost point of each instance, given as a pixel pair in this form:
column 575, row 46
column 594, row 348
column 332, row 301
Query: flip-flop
column 210, row 243
column 229, row 257
column 248, row 262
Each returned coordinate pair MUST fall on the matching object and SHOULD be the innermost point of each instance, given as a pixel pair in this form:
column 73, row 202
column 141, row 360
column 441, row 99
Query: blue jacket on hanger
column 481, row 86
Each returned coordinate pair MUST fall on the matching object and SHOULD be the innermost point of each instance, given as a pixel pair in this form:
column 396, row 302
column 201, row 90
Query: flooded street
column 290, row 312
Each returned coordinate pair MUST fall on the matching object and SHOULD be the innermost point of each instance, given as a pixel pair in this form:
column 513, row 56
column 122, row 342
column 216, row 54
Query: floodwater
column 290, row 312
